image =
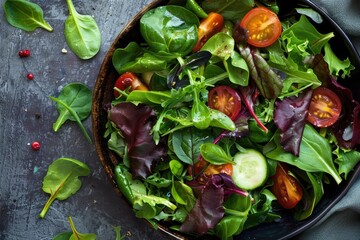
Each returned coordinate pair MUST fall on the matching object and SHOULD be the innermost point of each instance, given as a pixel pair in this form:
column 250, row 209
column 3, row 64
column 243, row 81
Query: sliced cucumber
column 250, row 169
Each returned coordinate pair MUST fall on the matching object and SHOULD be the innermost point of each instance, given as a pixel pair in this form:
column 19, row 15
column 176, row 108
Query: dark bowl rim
column 98, row 137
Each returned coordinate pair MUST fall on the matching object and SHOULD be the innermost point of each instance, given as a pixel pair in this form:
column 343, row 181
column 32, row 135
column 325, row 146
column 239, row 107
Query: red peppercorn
column 24, row 53
column 35, row 146
column 30, row 76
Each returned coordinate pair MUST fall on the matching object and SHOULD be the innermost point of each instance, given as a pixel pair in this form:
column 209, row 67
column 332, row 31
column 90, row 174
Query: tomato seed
column 35, row 146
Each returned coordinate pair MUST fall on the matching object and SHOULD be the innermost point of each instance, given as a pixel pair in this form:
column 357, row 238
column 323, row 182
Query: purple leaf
column 135, row 124
column 208, row 209
column 350, row 107
column 248, row 96
column 268, row 82
column 290, row 117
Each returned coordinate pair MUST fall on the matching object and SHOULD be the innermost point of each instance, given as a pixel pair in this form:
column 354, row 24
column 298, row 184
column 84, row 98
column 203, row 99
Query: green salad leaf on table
column 224, row 115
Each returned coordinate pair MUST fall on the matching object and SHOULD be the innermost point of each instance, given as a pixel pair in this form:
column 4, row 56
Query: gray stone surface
column 96, row 207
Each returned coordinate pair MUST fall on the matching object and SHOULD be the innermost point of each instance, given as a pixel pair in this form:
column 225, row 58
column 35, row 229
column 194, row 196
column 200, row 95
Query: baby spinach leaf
column 80, row 236
column 134, row 59
column 25, row 15
column 187, row 142
column 315, row 153
column 62, row 180
column 170, row 29
column 214, row 154
column 63, row 236
column 82, row 34
column 74, row 104
column 230, row 9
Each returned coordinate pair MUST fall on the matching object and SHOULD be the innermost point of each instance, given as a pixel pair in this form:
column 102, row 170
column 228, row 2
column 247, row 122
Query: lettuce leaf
column 135, row 124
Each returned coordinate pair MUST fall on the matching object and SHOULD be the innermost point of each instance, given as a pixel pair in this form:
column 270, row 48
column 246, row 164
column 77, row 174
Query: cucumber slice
column 250, row 169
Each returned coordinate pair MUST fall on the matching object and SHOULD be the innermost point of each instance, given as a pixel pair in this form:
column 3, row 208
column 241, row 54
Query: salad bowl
column 284, row 228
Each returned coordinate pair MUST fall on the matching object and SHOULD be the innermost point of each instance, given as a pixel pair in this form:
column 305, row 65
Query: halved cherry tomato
column 263, row 26
column 325, row 107
column 286, row 188
column 208, row 27
column 226, row 100
column 129, row 79
column 203, row 167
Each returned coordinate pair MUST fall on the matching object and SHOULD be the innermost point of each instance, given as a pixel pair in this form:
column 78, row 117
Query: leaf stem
column 46, row 207
column 74, row 114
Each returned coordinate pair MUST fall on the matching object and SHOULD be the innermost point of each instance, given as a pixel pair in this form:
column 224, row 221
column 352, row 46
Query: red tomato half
column 325, row 107
column 226, row 100
column 209, row 26
column 263, row 26
column 129, row 79
column 286, row 188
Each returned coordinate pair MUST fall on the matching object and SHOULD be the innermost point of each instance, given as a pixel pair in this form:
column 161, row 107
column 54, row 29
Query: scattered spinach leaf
column 62, row 180
column 63, row 236
column 74, row 104
column 80, row 236
column 82, row 34
column 25, row 15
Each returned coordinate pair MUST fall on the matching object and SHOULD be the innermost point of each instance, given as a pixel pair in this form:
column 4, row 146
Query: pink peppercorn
column 35, row 146
column 30, row 76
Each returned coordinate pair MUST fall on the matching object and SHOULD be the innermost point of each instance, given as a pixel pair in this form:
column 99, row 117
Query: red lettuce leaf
column 350, row 107
column 268, row 82
column 135, row 124
column 290, row 117
column 248, row 96
column 208, row 209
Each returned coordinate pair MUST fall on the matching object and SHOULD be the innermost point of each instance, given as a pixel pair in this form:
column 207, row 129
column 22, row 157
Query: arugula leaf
column 62, row 180
column 25, row 15
column 311, row 196
column 303, row 38
column 347, row 160
column 336, row 66
column 315, row 153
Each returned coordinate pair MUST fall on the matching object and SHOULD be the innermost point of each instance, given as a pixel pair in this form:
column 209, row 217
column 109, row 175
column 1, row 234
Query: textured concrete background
column 96, row 207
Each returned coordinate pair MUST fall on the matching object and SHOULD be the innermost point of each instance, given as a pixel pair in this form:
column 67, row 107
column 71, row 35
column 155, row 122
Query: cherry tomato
column 203, row 167
column 226, row 100
column 286, row 188
column 325, row 107
column 129, row 79
column 209, row 26
column 263, row 26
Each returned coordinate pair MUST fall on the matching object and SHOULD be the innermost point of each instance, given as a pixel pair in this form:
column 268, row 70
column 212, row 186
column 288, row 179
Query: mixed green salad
column 226, row 113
